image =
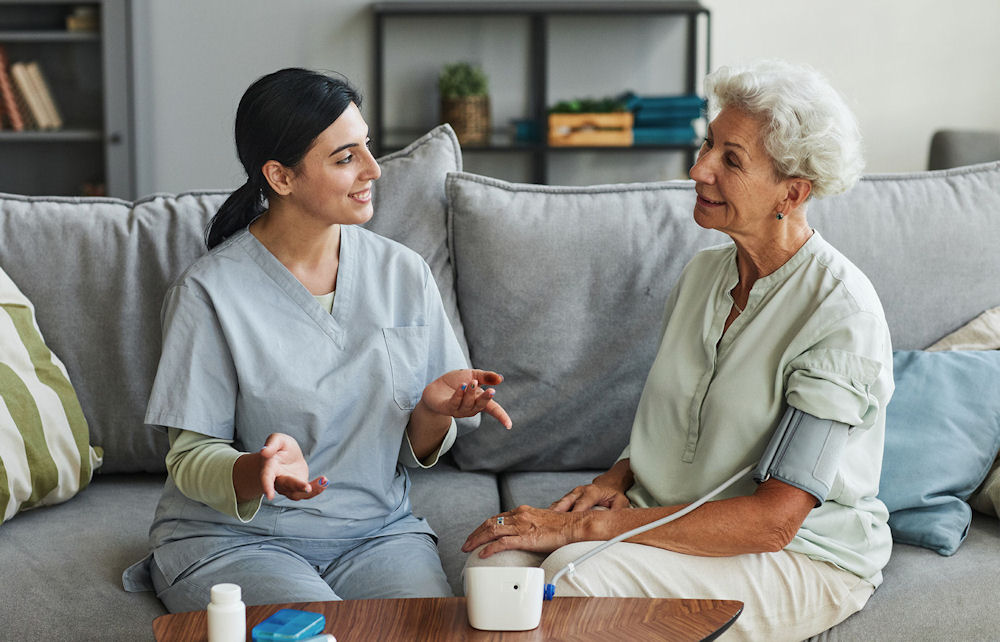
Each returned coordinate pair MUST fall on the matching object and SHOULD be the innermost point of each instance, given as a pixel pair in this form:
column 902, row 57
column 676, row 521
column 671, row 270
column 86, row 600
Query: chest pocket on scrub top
column 407, row 349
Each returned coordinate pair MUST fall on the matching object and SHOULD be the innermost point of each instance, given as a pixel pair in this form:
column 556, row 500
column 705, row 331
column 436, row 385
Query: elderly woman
column 776, row 329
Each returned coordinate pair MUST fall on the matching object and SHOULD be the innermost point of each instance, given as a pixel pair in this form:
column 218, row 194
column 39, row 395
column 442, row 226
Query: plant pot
column 469, row 116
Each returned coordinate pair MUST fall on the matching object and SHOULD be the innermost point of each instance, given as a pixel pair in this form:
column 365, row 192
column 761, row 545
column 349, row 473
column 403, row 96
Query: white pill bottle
column 227, row 615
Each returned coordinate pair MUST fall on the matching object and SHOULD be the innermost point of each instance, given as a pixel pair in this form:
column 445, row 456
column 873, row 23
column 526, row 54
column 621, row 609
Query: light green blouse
column 813, row 336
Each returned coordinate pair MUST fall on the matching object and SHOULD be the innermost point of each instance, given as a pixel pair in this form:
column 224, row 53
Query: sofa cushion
column 62, row 566
column 540, row 489
column 562, row 289
column 96, row 270
column 982, row 333
column 454, row 503
column 45, row 452
column 942, row 436
column 924, row 596
column 410, row 207
column 925, row 240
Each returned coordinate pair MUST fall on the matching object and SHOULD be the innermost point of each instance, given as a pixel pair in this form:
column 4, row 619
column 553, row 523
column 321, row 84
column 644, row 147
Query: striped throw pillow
column 45, row 454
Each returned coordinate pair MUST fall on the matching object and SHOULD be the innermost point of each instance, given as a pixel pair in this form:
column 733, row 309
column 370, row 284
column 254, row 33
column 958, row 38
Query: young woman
column 303, row 360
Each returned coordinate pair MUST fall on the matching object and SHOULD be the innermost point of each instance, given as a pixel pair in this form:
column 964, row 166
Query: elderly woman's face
column 738, row 190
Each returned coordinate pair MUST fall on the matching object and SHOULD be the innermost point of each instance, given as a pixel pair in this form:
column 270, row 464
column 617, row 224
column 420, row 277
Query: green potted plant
column 465, row 102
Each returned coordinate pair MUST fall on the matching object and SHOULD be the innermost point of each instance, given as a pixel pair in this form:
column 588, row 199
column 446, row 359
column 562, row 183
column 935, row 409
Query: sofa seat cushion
column 454, row 503
column 561, row 290
column 60, row 578
column 925, row 596
column 540, row 489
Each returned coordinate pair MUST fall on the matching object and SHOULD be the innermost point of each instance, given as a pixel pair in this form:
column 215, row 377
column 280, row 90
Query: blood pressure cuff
column 804, row 452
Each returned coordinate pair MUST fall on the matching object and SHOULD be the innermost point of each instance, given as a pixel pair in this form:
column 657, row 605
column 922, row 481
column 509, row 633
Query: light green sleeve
column 202, row 469
column 409, row 459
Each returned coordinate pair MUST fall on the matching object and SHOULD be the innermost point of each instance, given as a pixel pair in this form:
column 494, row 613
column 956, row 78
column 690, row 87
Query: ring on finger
column 500, row 521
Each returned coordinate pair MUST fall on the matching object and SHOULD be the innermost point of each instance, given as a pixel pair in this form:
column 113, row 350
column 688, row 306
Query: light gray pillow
column 562, row 289
column 97, row 270
column 926, row 240
column 410, row 207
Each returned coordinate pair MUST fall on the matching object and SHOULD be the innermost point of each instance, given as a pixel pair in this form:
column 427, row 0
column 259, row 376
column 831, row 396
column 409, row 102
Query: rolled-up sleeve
column 833, row 379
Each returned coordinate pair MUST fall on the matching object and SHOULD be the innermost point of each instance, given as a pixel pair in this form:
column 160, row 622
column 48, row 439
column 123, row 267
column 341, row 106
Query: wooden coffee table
column 433, row 619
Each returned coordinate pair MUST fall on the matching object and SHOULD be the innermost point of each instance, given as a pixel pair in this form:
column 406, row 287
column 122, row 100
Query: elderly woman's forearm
column 737, row 526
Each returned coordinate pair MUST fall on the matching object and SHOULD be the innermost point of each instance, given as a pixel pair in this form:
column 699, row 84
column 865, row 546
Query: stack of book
column 664, row 120
column 25, row 98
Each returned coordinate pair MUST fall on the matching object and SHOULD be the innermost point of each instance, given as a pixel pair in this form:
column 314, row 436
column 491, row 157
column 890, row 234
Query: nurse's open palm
column 284, row 470
column 459, row 393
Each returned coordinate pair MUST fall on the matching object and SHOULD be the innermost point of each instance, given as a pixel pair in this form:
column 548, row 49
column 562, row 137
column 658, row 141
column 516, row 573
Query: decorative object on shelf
column 664, row 120
column 590, row 122
column 83, row 18
column 465, row 102
column 525, row 130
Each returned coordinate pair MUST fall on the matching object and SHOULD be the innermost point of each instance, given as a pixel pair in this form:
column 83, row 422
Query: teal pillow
column 942, row 434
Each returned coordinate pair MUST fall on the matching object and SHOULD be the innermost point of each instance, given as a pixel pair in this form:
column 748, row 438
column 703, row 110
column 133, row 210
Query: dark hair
column 278, row 118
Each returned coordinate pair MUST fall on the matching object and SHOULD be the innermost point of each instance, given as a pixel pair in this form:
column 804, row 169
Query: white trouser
column 786, row 596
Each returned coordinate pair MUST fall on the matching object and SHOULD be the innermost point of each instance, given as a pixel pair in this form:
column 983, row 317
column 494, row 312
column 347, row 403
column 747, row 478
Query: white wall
column 907, row 66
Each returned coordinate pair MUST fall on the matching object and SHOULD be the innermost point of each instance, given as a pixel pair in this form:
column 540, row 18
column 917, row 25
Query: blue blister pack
column 288, row 625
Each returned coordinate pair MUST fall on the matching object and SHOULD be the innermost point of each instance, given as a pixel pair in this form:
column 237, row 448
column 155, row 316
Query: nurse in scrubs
column 305, row 361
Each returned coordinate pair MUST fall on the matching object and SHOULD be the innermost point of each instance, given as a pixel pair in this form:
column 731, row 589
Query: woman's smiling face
column 737, row 187
column 334, row 179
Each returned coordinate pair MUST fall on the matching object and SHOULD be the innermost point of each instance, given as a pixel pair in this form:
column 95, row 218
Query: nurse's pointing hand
column 459, row 393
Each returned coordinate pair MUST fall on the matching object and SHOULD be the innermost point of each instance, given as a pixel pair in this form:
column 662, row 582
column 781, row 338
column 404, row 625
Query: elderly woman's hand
column 527, row 529
column 607, row 491
column 587, row 497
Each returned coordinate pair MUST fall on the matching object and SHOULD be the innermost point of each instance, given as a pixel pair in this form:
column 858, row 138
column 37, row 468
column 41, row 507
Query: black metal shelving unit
column 538, row 14
column 88, row 75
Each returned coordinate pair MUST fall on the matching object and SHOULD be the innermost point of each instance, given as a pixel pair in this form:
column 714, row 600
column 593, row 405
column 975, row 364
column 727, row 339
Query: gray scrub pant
column 388, row 566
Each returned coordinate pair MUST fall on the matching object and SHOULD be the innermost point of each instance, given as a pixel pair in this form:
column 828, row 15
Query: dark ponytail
column 278, row 118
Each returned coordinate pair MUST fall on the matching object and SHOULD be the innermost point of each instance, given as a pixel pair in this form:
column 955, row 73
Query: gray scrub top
column 248, row 351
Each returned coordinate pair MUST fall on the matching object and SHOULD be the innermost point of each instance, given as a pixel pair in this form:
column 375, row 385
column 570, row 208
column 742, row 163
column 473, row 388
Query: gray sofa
column 561, row 289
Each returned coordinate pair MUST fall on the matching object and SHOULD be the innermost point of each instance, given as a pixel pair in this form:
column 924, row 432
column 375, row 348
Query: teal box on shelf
column 288, row 625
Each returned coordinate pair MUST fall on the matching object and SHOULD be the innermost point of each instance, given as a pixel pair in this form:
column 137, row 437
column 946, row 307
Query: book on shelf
column 26, row 89
column 10, row 109
column 35, row 92
column 42, row 87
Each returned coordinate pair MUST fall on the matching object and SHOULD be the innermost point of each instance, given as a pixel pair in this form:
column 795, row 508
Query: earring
column 779, row 216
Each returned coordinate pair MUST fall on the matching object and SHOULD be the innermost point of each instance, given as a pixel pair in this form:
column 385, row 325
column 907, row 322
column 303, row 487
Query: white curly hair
column 809, row 131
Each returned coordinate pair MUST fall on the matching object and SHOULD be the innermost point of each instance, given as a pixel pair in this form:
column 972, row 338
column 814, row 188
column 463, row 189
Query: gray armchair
column 954, row 147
